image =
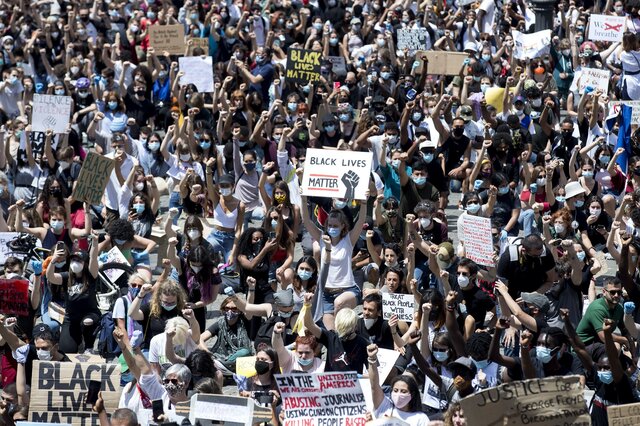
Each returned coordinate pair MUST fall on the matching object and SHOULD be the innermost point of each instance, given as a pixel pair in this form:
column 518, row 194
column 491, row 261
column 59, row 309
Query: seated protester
column 191, row 236
column 262, row 387
column 11, row 405
column 232, row 337
column 44, row 347
column 304, row 281
column 14, row 269
column 507, row 206
column 405, row 394
column 302, row 359
column 167, row 301
column 204, row 370
column 391, row 257
column 416, row 187
column 254, row 254
column 477, row 346
column 387, row 221
column 573, row 275
column 425, row 231
column 375, row 329
column 532, row 316
column 606, row 307
column 599, row 223
column 528, row 267
column 345, row 348
column 121, row 234
column 179, row 339
column 121, row 306
column 429, row 319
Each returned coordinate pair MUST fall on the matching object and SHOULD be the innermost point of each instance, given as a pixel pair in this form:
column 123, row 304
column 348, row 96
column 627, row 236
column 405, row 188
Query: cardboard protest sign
column 401, row 305
column 541, row 402
column 338, row 64
column 477, row 238
column 623, row 415
column 303, row 66
column 386, row 360
column 59, row 389
column 169, row 38
column 203, row 43
column 198, row 70
column 336, row 174
column 529, row 46
column 440, row 62
column 87, row 358
column 321, row 399
column 413, row 39
column 606, row 27
column 50, row 112
column 594, row 78
column 14, row 297
column 93, row 178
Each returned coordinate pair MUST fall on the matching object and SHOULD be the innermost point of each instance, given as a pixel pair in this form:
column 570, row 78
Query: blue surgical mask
column 139, row 208
column 60, row 264
column 605, row 159
column 581, row 255
column 305, row 275
column 416, row 116
column 205, row 144
column 333, row 232
column 292, row 106
column 419, row 180
column 579, row 203
column 340, row 204
column 560, row 199
column 333, row 41
column 428, row 158
column 503, row 190
column 154, row 146
column 605, row 377
column 56, row 225
column 305, row 362
column 395, row 163
column 543, row 354
column 168, row 307
column 274, row 223
column 385, row 75
column 482, row 364
column 473, row 208
column 344, row 117
column 440, row 356
column 151, row 15
column 133, row 292
column 112, row 105
column 330, row 129
column 119, row 242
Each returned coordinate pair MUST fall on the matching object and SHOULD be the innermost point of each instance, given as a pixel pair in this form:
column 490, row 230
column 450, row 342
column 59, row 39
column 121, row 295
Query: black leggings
column 74, row 332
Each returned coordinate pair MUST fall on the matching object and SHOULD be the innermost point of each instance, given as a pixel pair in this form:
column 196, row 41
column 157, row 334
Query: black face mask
column 433, row 315
column 262, row 367
column 458, row 132
column 257, row 246
column 567, row 134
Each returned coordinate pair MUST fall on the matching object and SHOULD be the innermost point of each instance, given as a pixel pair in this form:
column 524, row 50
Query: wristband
column 328, row 251
column 308, row 305
column 251, row 290
column 372, row 361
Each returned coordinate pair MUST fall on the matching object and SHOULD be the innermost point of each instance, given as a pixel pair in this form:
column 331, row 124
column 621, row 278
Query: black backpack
column 107, row 346
column 265, row 332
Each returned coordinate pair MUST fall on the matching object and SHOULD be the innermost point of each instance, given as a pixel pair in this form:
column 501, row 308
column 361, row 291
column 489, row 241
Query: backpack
column 107, row 346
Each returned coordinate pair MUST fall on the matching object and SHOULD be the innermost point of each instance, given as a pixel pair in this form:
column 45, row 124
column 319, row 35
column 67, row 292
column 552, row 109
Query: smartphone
column 158, row 408
column 92, row 393
column 336, row 85
column 229, row 292
column 272, row 235
column 503, row 321
column 60, row 245
column 411, row 94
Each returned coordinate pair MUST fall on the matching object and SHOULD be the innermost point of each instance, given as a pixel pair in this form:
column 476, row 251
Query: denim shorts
column 329, row 298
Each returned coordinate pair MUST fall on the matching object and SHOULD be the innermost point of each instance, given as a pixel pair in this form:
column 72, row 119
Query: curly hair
column 169, row 288
column 47, row 193
column 478, row 345
column 563, row 214
column 121, row 229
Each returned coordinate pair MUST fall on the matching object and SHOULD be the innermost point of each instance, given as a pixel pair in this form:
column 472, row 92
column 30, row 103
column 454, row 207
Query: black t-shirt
column 155, row 325
column 32, row 355
column 478, row 303
column 611, row 394
column 524, row 273
column 347, row 355
column 453, row 149
column 379, row 333
column 141, row 110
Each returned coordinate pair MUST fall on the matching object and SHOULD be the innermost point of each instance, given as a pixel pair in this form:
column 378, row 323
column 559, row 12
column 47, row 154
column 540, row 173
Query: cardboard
column 338, row 64
column 198, row 70
column 303, row 66
column 539, row 402
column 115, row 256
column 402, row 305
column 168, row 38
column 606, row 27
column 51, row 112
column 440, row 62
column 478, row 241
column 321, row 399
column 336, row 174
column 58, row 391
column 14, row 297
column 200, row 42
column 623, row 415
column 246, row 366
column 94, row 176
column 386, row 360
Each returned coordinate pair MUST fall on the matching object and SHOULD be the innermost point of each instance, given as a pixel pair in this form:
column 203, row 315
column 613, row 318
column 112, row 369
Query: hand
column 451, row 297
column 98, row 407
column 608, row 326
column 171, row 333
column 629, row 307
column 251, row 283
column 188, row 314
column 350, row 180
column 173, row 241
column 503, row 235
column 393, row 321
column 271, row 244
column 372, row 351
column 503, row 323
column 327, row 241
column 564, row 314
column 173, row 212
column 146, row 289
column 369, row 234
column 308, row 298
column 279, row 328
column 626, row 239
column 36, row 265
column 619, row 152
column 526, row 339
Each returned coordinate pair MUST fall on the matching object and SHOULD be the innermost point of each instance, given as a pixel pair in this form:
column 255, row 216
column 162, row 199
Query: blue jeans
column 527, row 223
column 222, row 242
column 255, row 214
column 175, row 201
column 329, row 298
column 44, row 310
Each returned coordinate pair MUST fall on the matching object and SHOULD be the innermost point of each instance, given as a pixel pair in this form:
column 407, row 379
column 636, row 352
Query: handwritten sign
column 386, row 360
column 169, row 38
column 477, row 238
column 336, row 174
column 338, row 65
column 401, row 305
column 635, row 109
column 322, row 399
column 539, row 402
column 14, row 297
column 246, row 366
column 594, row 78
column 59, row 389
column 303, row 66
column 200, row 42
column 198, row 70
column 50, row 112
column 606, row 27
column 115, row 256
column 528, row 46
column 413, row 39
column 623, row 415
column 93, row 178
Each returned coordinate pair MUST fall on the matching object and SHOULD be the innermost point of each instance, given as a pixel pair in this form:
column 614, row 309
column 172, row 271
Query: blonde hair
column 346, row 321
column 182, row 330
column 170, row 288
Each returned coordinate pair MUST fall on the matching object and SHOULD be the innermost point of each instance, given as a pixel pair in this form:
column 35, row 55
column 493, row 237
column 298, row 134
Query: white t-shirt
column 340, row 273
column 489, row 7
column 386, row 409
column 112, row 191
column 120, row 312
column 150, row 384
column 157, row 352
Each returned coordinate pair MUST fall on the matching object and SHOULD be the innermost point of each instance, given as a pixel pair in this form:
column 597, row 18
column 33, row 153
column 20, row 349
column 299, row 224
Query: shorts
column 329, row 298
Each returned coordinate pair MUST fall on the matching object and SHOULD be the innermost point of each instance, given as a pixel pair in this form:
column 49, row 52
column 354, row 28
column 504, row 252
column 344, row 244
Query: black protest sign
column 14, row 297
column 303, row 66
column 93, row 179
column 59, row 389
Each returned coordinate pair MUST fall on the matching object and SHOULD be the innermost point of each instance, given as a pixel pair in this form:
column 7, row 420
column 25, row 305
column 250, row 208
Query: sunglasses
column 614, row 292
column 167, row 381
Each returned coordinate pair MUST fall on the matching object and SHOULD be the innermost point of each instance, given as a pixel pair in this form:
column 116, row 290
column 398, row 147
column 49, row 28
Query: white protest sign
column 336, row 174
column 365, row 385
column 594, row 78
column 478, row 241
column 401, row 305
column 198, row 70
column 221, row 408
column 339, row 65
column 606, row 27
column 322, row 399
column 387, row 421
column 50, row 112
column 552, row 401
column 386, row 360
column 528, row 46
column 115, row 255
column 413, row 39
column 635, row 109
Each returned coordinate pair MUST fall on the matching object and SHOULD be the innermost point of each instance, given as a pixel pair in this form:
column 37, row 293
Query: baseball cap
column 428, row 144
column 466, row 113
column 538, row 300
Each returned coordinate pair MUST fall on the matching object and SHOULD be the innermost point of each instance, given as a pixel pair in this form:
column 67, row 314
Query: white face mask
column 44, row 355
column 559, row 227
column 225, row 191
column 425, row 222
column 595, row 212
column 139, row 186
column 185, row 157
column 368, row 322
column 76, row 267
column 193, row 234
column 463, row 281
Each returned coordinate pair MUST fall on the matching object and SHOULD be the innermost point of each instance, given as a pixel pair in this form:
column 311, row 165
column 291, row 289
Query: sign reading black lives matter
column 413, row 39
column 336, row 174
column 303, row 66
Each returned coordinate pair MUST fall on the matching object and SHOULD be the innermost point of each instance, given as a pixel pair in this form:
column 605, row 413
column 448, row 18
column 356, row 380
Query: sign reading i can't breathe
column 336, row 174
column 303, row 66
